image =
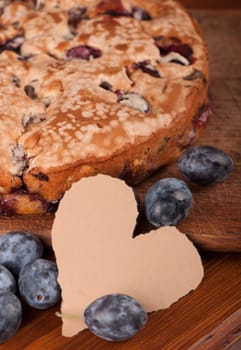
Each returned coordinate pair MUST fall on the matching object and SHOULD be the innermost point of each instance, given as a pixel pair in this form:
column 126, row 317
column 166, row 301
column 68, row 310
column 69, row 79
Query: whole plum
column 115, row 317
column 38, row 284
column 18, row 248
column 167, row 202
column 7, row 281
column 10, row 315
column 205, row 164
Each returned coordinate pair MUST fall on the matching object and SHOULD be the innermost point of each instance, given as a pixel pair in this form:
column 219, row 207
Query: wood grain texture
column 212, row 312
column 207, row 4
column 225, row 336
column 236, row 345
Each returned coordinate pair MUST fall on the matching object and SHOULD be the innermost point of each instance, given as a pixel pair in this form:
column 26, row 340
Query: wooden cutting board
column 215, row 220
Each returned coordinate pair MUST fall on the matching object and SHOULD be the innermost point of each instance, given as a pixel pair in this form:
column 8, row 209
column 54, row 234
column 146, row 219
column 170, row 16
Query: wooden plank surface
column 215, row 219
column 212, row 4
column 226, row 335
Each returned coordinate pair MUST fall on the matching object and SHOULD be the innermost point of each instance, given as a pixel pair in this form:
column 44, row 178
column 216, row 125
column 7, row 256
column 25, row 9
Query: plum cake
column 94, row 86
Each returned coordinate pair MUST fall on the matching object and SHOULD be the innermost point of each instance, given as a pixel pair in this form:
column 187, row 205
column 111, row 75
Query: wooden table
column 210, row 317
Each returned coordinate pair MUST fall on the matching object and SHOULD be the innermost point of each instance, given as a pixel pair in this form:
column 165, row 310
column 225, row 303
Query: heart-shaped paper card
column 96, row 254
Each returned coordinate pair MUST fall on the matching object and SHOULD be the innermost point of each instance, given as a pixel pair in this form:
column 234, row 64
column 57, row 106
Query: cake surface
column 88, row 87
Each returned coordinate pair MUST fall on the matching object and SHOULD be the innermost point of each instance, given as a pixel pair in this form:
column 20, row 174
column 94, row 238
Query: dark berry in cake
column 83, row 52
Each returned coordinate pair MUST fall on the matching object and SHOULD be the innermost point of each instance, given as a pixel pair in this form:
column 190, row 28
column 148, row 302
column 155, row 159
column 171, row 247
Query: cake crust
column 90, row 87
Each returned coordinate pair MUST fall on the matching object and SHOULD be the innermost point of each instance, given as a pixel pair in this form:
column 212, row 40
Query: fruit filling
column 116, row 9
column 75, row 15
column 170, row 45
column 22, row 202
column 84, row 52
column 147, row 68
column 12, row 44
column 134, row 100
column 202, row 117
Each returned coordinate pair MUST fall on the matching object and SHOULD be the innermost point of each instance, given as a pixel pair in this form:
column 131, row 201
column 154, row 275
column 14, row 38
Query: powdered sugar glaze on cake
column 93, row 87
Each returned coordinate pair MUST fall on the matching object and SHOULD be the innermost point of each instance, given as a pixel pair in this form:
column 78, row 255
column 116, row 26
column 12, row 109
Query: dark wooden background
column 210, row 317
column 212, row 4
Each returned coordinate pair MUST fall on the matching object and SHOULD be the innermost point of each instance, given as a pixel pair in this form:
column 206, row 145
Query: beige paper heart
column 96, row 254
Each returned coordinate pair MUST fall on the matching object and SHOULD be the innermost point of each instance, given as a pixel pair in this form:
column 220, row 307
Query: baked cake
column 92, row 86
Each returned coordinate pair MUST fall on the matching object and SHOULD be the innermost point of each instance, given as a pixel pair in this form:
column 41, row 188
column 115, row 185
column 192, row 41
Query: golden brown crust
column 105, row 87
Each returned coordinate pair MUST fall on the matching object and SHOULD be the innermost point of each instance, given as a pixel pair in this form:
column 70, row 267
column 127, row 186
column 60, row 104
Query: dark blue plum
column 115, row 317
column 7, row 281
column 205, row 165
column 38, row 284
column 167, row 202
column 18, row 248
column 10, row 315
